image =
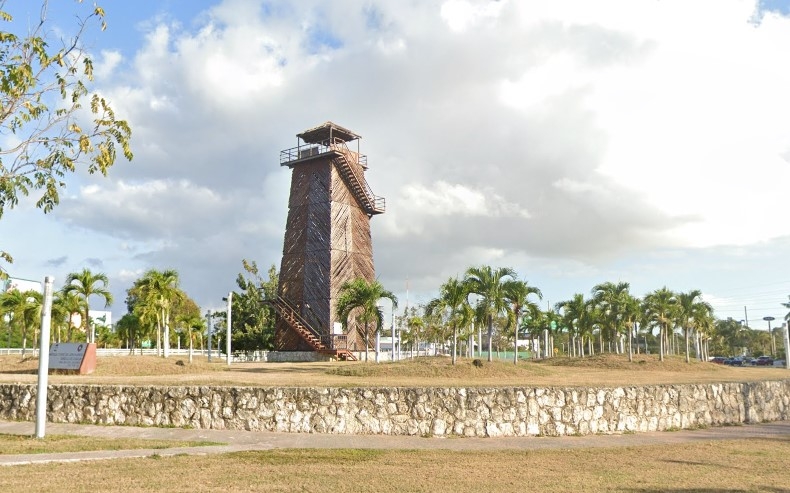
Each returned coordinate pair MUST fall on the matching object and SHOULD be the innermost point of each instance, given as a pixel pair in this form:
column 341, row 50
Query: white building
column 21, row 284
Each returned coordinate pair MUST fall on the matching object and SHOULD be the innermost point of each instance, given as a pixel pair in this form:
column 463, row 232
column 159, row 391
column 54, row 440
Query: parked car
column 779, row 362
column 718, row 360
column 733, row 361
column 748, row 361
column 764, row 361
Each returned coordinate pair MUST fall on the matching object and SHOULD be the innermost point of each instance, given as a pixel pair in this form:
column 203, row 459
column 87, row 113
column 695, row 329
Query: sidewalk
column 236, row 440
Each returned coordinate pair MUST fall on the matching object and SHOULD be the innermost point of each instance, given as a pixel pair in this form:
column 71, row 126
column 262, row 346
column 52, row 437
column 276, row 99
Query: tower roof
column 325, row 131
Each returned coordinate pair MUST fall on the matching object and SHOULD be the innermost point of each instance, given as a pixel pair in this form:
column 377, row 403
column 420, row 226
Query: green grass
column 27, row 444
column 732, row 465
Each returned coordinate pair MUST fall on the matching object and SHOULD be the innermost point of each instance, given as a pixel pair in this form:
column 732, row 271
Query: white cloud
column 461, row 14
column 109, row 61
column 445, row 199
column 568, row 134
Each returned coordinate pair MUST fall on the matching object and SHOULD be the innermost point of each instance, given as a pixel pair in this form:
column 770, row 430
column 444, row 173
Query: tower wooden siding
column 327, row 243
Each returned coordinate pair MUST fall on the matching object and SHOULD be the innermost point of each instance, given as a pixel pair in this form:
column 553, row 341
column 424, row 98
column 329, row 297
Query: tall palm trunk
column 661, row 342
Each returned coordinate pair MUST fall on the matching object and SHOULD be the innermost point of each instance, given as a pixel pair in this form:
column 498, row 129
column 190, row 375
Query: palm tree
column 156, row 293
column 17, row 304
column 691, row 311
column 453, row 303
column 660, row 306
column 632, row 311
column 415, row 325
column 610, row 297
column 84, row 284
column 193, row 325
column 575, row 317
column 488, row 284
column 517, row 294
column 129, row 328
column 362, row 296
column 68, row 304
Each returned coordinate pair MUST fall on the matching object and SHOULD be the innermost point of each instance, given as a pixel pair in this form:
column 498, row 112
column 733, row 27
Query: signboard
column 73, row 356
column 67, row 355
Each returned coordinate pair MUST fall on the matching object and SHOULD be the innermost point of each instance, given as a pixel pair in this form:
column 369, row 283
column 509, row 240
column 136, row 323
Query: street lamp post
column 773, row 341
column 229, row 299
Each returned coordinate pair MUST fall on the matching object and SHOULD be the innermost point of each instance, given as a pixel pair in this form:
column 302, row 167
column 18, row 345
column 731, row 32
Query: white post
column 166, row 340
column 787, row 345
column 208, row 334
column 545, row 343
column 43, row 358
column 515, row 355
column 392, row 320
column 479, row 339
column 227, row 345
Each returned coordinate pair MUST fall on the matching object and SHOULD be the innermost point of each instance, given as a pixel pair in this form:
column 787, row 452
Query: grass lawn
column 607, row 370
column 53, row 444
column 734, row 466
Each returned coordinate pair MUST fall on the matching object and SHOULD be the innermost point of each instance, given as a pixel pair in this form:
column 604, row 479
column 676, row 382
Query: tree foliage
column 252, row 321
column 153, row 298
column 51, row 122
column 488, row 284
column 86, row 284
column 359, row 299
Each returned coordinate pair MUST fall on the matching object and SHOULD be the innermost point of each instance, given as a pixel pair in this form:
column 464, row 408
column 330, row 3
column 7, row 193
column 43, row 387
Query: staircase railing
column 371, row 203
column 302, row 327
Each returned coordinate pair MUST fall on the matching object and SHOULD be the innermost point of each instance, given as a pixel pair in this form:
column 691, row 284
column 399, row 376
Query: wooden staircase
column 287, row 312
column 370, row 203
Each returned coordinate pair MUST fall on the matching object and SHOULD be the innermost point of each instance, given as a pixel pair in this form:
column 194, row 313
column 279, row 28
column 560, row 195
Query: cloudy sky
column 578, row 142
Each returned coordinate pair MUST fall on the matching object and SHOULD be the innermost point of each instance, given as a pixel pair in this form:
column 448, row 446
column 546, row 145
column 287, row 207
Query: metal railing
column 375, row 203
column 309, row 151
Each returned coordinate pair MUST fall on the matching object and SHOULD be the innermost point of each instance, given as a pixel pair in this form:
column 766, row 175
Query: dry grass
column 607, row 370
column 736, row 465
column 54, row 444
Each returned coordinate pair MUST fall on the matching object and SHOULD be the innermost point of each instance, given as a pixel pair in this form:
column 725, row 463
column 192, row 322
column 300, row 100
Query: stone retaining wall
column 479, row 412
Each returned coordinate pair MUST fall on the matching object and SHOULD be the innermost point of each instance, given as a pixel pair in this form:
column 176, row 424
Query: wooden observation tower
column 327, row 240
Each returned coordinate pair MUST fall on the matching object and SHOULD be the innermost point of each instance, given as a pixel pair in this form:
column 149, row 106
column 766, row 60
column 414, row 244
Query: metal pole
column 227, row 344
column 393, row 330
column 43, row 359
column 208, row 330
column 787, row 345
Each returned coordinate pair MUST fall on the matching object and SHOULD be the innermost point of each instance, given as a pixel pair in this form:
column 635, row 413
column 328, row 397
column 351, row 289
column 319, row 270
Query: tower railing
column 308, row 151
column 371, row 203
